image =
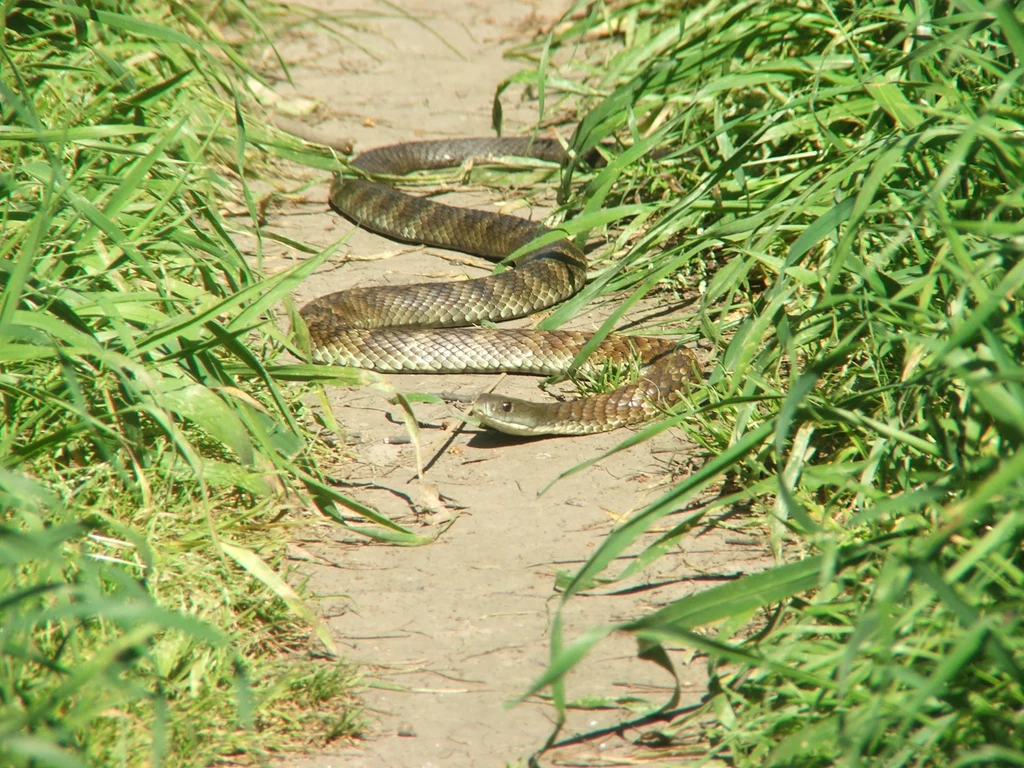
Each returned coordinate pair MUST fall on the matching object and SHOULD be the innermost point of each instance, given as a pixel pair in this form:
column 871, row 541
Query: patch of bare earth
column 450, row 633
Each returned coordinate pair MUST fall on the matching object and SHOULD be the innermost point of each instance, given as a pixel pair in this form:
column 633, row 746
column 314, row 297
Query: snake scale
column 421, row 327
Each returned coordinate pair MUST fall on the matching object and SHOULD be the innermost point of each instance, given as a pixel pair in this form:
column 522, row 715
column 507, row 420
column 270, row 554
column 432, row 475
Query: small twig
column 306, row 132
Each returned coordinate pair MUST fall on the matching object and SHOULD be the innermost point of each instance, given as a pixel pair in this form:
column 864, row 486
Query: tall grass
column 840, row 185
column 147, row 452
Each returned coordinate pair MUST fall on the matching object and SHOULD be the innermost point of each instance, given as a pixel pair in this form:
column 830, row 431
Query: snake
column 435, row 327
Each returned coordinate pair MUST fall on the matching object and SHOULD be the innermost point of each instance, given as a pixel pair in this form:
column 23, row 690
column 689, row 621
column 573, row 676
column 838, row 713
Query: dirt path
column 451, row 632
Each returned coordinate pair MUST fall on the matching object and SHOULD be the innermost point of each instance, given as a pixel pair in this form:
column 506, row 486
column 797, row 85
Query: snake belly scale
column 424, row 327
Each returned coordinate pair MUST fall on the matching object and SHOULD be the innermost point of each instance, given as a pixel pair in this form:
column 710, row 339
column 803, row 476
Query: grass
column 837, row 187
column 841, row 185
column 150, row 450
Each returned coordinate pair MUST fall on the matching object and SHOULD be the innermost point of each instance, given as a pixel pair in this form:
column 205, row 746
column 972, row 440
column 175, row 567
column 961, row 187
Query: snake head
column 509, row 415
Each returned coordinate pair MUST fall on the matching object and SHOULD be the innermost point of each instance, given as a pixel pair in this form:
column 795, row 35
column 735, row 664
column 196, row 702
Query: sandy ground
column 450, row 633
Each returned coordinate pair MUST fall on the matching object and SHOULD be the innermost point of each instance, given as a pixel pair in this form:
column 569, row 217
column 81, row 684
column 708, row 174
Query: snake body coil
column 420, row 327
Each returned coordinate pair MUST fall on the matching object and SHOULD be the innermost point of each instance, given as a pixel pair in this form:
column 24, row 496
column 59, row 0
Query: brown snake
column 419, row 327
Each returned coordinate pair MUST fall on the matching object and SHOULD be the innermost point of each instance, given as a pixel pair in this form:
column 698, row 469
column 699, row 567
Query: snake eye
column 506, row 406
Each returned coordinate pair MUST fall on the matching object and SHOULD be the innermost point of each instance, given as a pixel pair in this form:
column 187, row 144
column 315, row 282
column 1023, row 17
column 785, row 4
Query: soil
column 450, row 633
